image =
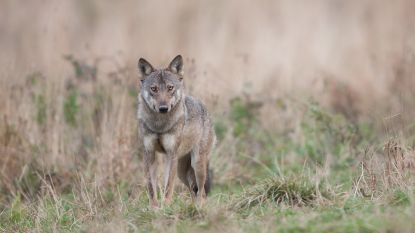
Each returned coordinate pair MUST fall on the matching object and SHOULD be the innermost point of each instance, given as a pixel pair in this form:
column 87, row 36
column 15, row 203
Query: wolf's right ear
column 144, row 67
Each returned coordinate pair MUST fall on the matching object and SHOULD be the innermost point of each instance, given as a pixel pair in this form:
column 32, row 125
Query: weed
column 242, row 115
column 220, row 130
column 82, row 70
column 41, row 109
column 289, row 191
column 71, row 108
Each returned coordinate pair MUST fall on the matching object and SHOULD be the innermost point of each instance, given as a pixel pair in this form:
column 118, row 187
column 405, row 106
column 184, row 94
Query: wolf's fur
column 177, row 126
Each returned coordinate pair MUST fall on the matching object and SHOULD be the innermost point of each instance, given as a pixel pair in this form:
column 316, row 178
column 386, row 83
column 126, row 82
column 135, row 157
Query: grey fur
column 177, row 126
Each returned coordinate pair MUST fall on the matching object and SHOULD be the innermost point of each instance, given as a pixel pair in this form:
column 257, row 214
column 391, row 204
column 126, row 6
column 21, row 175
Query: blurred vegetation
column 312, row 102
column 325, row 173
column 71, row 108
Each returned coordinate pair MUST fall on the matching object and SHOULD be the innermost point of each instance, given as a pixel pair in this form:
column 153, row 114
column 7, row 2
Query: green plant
column 242, row 116
column 41, row 107
column 325, row 133
column 71, row 108
column 278, row 190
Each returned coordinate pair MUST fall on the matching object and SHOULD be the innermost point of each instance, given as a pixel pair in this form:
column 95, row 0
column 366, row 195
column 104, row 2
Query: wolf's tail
column 209, row 178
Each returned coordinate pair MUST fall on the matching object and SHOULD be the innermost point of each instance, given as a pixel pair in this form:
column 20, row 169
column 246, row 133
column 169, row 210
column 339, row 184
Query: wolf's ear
column 144, row 67
column 176, row 66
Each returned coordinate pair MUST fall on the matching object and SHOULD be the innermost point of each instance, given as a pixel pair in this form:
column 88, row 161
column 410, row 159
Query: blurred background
column 69, row 80
column 273, row 47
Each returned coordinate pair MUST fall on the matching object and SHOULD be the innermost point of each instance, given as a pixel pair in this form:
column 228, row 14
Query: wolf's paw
column 154, row 205
column 167, row 201
column 200, row 201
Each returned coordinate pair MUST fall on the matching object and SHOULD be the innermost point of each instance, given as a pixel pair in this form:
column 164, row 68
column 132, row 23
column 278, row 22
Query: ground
column 320, row 171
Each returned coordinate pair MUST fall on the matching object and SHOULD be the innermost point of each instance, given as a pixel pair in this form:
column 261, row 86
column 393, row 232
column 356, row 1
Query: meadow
column 313, row 106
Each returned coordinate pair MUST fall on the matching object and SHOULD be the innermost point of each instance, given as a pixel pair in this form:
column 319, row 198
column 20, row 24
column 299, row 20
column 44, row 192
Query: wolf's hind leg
column 199, row 165
column 186, row 174
column 209, row 177
column 191, row 179
column 183, row 165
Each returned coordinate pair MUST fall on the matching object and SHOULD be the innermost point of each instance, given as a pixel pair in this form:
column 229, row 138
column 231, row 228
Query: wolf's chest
column 181, row 142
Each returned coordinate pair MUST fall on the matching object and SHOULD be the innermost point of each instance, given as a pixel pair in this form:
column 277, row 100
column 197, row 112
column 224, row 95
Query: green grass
column 350, row 215
column 324, row 174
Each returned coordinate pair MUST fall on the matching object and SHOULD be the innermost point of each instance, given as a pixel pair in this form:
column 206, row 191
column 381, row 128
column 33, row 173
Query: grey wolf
column 176, row 126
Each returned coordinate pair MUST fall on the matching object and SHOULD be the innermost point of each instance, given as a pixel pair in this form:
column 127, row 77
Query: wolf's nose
column 163, row 109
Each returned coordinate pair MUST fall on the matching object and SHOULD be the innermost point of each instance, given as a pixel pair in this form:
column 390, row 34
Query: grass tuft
column 290, row 191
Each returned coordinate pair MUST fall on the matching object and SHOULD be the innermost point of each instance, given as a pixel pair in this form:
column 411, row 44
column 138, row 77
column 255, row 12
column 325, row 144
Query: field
column 313, row 105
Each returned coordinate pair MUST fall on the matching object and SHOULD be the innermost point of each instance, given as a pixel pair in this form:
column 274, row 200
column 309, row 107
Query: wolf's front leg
column 170, row 176
column 150, row 170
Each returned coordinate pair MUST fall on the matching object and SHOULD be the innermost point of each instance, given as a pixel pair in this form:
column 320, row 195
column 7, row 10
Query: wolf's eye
column 154, row 89
column 170, row 87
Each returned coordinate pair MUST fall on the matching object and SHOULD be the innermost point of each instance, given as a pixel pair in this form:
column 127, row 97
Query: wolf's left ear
column 176, row 66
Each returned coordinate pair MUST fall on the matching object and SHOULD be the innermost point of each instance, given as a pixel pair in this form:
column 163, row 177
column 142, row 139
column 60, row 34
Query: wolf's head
column 162, row 89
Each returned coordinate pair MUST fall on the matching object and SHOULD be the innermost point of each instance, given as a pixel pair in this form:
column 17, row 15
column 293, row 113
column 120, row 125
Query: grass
column 72, row 164
column 275, row 190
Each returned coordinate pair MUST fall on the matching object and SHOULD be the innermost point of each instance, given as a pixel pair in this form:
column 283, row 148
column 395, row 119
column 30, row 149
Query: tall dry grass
column 68, row 86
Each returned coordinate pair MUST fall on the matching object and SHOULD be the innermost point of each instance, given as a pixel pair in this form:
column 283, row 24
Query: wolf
column 177, row 126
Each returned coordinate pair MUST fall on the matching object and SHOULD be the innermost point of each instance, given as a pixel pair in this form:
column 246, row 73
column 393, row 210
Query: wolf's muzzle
column 163, row 109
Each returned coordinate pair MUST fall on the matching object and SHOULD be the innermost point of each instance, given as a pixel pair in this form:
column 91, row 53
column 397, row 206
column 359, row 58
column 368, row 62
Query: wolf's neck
column 161, row 122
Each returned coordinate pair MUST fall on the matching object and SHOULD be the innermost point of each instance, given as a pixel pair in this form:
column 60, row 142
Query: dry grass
column 389, row 169
column 288, row 191
column 305, row 96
